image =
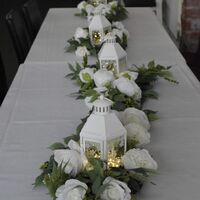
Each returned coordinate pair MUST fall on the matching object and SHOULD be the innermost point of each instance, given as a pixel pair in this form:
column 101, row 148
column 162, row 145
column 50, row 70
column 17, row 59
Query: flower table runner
column 38, row 111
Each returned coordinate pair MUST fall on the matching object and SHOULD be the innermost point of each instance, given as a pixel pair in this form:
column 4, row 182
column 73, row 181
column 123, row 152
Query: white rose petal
column 72, row 190
column 116, row 190
column 102, row 77
column 82, row 5
column 138, row 133
column 137, row 158
column 102, row 9
column 74, row 146
column 113, row 4
column 129, row 75
column 89, row 9
column 73, row 157
column 133, row 115
column 80, row 33
column 86, row 75
column 88, row 103
column 117, row 32
column 82, row 51
column 127, row 87
column 118, row 25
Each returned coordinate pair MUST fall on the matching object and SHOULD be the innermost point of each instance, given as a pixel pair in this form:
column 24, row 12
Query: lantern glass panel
column 122, row 63
column 92, row 149
column 96, row 37
column 115, row 152
column 110, row 65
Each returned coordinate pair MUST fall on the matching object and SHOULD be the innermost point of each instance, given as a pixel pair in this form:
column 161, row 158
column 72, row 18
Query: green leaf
column 152, row 115
column 96, row 185
column 55, row 179
column 57, row 145
column 39, row 180
column 71, row 137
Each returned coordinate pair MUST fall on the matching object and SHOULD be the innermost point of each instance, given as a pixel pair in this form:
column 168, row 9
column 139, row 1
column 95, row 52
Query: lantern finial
column 102, row 106
column 110, row 38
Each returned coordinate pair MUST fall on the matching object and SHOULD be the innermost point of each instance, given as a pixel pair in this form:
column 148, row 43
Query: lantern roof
column 99, row 22
column 112, row 51
column 103, row 127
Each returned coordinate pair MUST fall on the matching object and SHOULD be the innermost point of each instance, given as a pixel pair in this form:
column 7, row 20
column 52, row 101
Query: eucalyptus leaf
column 57, row 145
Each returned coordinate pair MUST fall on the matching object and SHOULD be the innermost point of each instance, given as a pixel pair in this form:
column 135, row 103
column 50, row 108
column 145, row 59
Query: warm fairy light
column 96, row 37
column 114, row 161
column 110, row 66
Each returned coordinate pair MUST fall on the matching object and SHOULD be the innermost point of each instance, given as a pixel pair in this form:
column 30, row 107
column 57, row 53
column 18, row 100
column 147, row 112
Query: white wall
column 172, row 14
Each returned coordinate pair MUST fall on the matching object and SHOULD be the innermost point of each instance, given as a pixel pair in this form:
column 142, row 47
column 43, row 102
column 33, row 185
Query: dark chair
column 3, row 86
column 140, row 3
column 33, row 17
column 19, row 34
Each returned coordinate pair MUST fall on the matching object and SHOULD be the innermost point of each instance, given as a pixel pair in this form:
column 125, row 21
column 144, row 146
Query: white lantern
column 103, row 136
column 112, row 56
column 97, row 2
column 98, row 28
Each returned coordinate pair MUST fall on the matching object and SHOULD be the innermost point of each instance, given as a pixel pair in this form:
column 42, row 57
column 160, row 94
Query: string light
column 96, row 36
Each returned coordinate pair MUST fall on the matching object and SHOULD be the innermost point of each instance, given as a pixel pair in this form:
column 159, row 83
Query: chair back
column 3, row 87
column 19, row 34
column 140, row 3
column 32, row 16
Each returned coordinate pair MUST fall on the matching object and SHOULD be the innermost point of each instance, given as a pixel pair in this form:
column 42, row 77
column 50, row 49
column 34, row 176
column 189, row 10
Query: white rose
column 72, row 190
column 86, row 75
column 133, row 115
column 115, row 190
column 88, row 103
column 80, row 33
column 118, row 25
column 117, row 32
column 103, row 76
column 102, row 9
column 74, row 159
column 82, row 5
column 82, row 51
column 138, row 133
column 113, row 4
column 127, row 87
column 89, row 9
column 129, row 75
column 138, row 158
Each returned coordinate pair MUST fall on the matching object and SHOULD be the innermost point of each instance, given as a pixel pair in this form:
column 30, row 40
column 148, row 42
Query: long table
column 39, row 110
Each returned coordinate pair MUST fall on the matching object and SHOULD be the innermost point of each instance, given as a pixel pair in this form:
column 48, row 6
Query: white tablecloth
column 38, row 111
column 148, row 39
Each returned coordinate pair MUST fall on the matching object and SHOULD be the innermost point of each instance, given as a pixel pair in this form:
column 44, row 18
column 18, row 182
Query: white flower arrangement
column 113, row 11
column 68, row 167
column 81, row 44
